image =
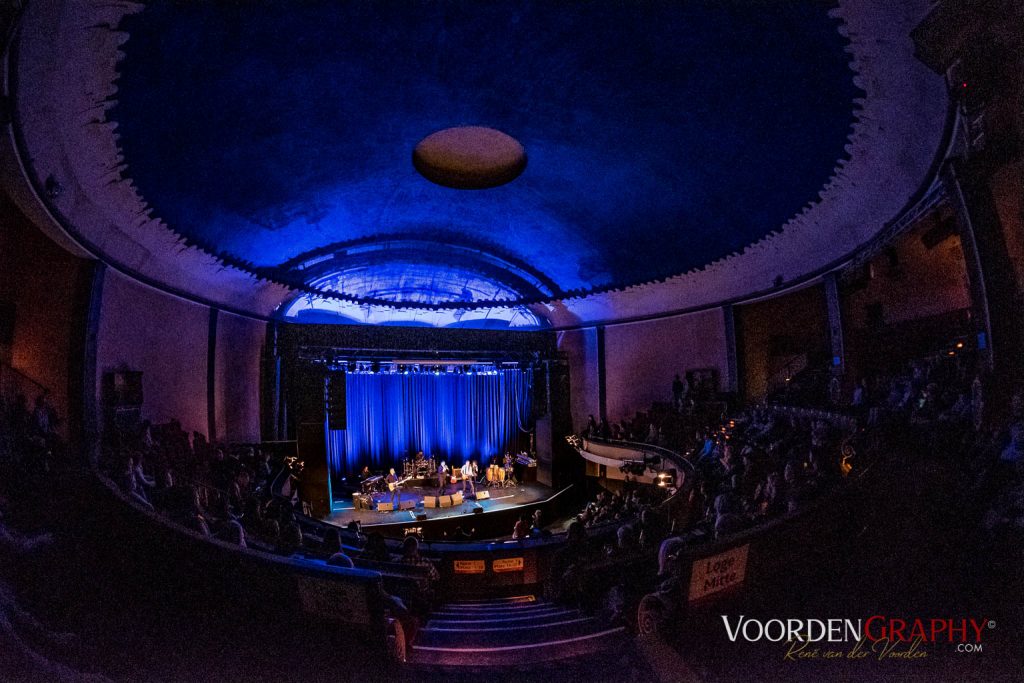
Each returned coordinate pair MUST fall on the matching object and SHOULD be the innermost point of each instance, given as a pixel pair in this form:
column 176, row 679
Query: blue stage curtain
column 447, row 415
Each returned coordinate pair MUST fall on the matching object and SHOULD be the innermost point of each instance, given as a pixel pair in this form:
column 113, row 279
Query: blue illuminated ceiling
column 660, row 136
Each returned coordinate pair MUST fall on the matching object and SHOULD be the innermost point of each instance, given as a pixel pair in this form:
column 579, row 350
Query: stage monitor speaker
column 457, row 498
column 407, row 504
column 421, row 516
column 477, row 510
column 430, row 501
column 446, row 501
column 385, row 507
column 483, row 495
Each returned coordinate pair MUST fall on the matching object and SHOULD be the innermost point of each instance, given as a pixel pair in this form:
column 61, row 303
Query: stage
column 499, row 510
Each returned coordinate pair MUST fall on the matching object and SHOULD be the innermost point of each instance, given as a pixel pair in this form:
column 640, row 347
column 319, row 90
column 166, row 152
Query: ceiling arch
column 624, row 215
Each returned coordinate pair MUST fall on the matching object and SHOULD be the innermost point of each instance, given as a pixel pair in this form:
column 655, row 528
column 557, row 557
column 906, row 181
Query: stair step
column 511, row 606
column 524, row 634
column 439, row 621
column 496, row 601
column 494, row 613
column 501, row 655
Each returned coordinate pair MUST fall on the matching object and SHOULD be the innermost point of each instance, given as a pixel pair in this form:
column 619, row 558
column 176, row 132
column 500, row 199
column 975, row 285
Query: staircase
column 503, row 632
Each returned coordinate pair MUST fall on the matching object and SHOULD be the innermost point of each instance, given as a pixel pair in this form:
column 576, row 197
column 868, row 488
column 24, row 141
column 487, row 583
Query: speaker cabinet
column 457, row 498
column 446, row 501
column 483, row 495
column 385, row 507
column 430, row 502
column 407, row 504
column 336, row 415
column 421, row 516
column 313, row 488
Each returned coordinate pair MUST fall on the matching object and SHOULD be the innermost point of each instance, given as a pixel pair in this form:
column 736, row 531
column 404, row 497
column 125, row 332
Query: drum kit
column 421, row 468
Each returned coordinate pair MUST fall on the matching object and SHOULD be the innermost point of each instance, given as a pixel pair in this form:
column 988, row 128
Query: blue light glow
column 661, row 135
column 316, row 309
column 451, row 416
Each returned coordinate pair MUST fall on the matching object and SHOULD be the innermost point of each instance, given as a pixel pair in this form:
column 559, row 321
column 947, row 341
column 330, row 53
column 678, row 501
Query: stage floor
column 500, row 499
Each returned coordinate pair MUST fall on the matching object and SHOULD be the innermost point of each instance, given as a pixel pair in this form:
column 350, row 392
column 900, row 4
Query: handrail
column 677, row 458
column 8, row 368
column 833, row 416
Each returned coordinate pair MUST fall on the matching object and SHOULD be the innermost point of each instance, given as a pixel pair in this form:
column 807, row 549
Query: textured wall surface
column 642, row 358
column 239, row 345
column 782, row 330
column 42, row 281
column 164, row 337
column 925, row 282
column 580, row 349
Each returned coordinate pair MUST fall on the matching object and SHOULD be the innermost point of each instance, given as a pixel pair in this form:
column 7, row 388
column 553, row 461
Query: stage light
column 666, row 478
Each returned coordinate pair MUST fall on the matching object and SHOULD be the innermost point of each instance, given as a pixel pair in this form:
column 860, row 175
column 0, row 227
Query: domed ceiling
column 660, row 136
column 648, row 158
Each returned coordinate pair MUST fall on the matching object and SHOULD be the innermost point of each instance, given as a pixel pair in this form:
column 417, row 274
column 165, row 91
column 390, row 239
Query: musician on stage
column 468, row 478
column 396, row 490
column 442, row 478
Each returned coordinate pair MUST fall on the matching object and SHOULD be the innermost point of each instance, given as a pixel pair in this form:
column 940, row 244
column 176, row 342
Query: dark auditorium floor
column 916, row 557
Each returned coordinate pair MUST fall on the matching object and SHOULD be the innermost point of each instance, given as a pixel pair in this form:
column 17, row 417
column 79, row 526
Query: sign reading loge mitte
column 718, row 572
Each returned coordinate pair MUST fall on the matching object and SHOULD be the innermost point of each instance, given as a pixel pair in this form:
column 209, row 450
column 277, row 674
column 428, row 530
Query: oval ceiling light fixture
column 469, row 158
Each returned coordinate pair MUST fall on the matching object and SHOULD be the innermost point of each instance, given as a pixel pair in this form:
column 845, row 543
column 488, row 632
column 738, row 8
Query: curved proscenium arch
column 412, row 281
column 316, row 309
column 418, row 271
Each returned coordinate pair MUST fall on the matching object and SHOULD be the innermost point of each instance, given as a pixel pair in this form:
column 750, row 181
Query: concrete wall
column 640, row 361
column 791, row 328
column 642, row 358
column 239, row 346
column 45, row 285
column 167, row 339
column 921, row 282
column 580, row 349
column 163, row 337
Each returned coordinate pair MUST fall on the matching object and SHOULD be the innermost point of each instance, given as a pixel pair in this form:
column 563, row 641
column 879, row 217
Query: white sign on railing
column 718, row 572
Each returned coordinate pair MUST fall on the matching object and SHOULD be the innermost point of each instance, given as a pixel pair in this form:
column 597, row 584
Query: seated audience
column 375, row 550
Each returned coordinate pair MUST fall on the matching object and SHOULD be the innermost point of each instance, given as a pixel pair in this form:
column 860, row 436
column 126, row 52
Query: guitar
column 392, row 485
